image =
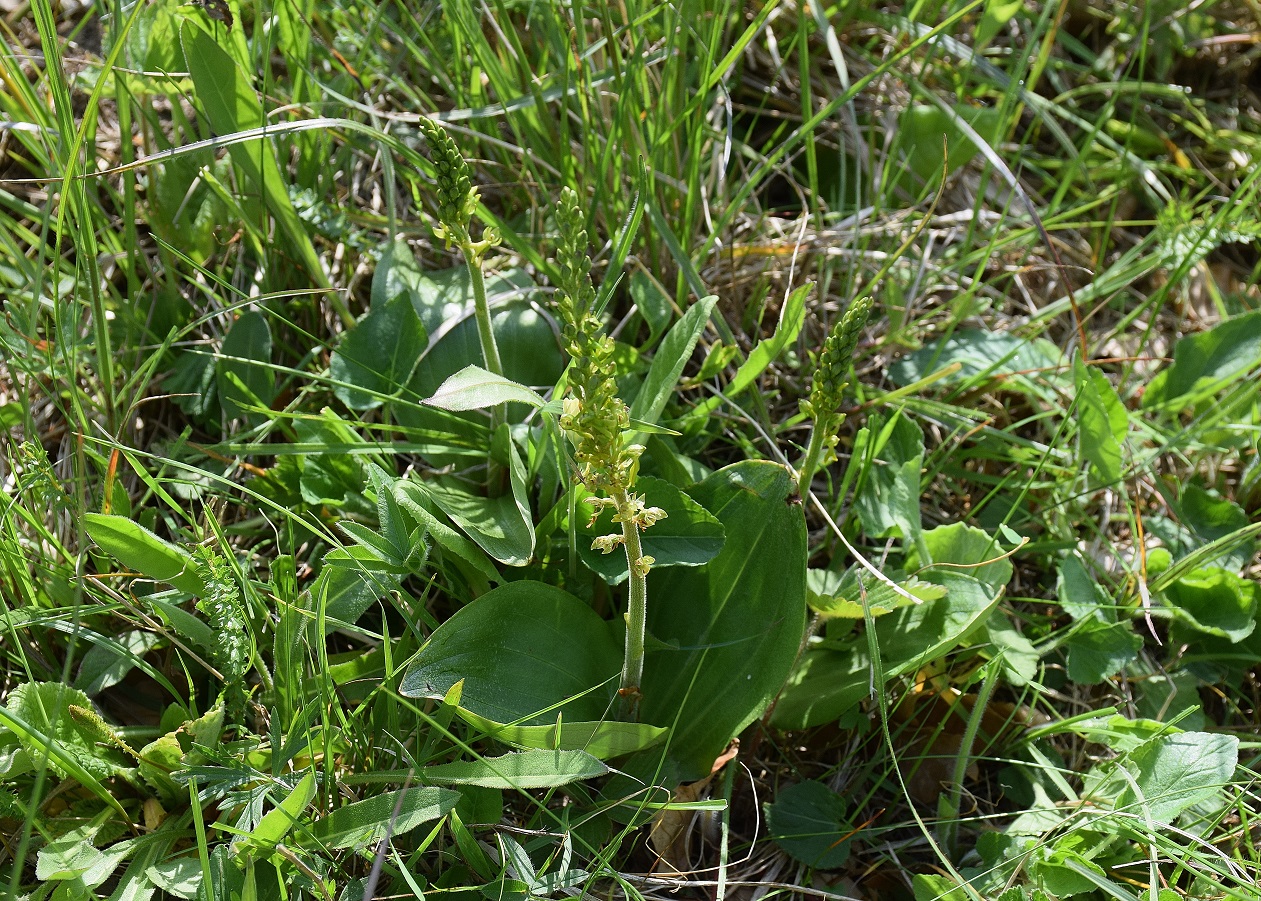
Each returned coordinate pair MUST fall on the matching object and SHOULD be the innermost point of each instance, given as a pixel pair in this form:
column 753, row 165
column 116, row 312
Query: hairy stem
column 636, row 608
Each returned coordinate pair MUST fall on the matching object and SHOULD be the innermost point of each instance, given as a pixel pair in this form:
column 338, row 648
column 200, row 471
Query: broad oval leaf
column 736, row 623
column 473, row 388
column 244, row 377
column 1102, row 422
column 825, row 684
column 137, row 548
column 811, row 823
column 375, row 359
column 1031, row 367
column 525, row 652
column 1216, row 601
column 1173, row 772
column 959, row 547
column 501, row 526
column 519, row 770
column 1207, row 362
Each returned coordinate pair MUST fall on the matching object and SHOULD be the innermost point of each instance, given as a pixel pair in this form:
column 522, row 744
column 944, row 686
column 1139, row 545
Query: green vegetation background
column 288, row 608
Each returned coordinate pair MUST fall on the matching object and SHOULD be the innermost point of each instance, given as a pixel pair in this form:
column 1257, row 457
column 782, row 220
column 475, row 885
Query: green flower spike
column 457, row 202
column 828, row 389
column 595, row 420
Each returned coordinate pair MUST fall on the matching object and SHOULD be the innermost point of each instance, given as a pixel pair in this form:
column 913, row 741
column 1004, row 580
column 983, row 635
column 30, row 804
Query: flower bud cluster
column 831, row 377
column 457, row 198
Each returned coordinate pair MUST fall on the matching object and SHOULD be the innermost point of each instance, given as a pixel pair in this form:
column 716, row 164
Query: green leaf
column 1102, row 422
column 502, row 525
column 186, row 625
column 931, row 137
column 1210, row 518
column 401, row 539
column 137, row 548
column 825, row 684
column 226, row 96
column 913, row 636
column 397, row 273
column 1175, row 696
column 246, row 354
column 108, row 663
column 1174, row 772
column 528, row 347
column 1018, row 364
column 391, row 813
column 524, row 652
column 348, row 591
column 1215, row 601
column 1097, row 651
column 651, row 302
column 1080, row 595
column 375, row 359
column 1065, row 873
column 191, row 382
column 605, row 740
column 811, row 822
column 1020, row 657
column 737, row 622
column 929, row 887
column 413, row 498
column 669, row 360
column 887, row 497
column 995, row 17
column 844, row 597
column 966, row 549
column 1205, row 363
column 519, row 770
column 38, row 715
column 181, row 877
column 473, row 388
column 75, row 858
column 791, row 318
column 689, row 535
column 158, row 760
column 280, row 820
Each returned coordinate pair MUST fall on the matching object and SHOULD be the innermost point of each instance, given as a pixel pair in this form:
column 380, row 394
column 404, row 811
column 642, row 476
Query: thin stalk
column 824, row 428
column 636, row 607
column 949, row 803
column 490, row 350
column 473, row 253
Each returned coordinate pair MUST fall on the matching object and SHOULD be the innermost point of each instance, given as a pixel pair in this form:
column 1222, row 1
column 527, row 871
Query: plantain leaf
column 525, row 652
column 736, row 623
